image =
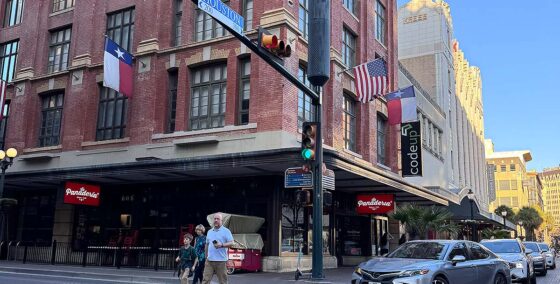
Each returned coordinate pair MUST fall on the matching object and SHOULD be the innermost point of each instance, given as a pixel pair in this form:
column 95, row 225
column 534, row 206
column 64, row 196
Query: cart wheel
column 230, row 267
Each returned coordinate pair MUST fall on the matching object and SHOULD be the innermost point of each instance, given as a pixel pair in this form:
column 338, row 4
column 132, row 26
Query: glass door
column 380, row 235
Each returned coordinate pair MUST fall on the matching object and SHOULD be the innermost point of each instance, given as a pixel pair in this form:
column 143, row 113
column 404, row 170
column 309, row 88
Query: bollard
column 84, row 257
column 53, row 252
column 25, row 253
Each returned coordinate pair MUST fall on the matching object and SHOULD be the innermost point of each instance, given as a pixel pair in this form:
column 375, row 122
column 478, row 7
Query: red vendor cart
column 245, row 254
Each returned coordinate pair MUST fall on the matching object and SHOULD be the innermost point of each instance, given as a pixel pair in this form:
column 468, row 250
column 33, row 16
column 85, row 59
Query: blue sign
column 298, row 178
column 223, row 13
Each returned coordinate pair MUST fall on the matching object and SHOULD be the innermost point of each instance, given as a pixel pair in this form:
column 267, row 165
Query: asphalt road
column 553, row 277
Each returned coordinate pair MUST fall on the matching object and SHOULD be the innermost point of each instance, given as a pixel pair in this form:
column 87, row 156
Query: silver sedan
column 435, row 262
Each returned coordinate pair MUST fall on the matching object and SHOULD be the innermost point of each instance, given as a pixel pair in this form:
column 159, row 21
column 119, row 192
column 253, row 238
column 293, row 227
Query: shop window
column 177, row 22
column 8, row 59
column 111, row 118
column 244, row 91
column 306, row 109
column 208, row 97
column 303, row 23
column 13, row 12
column 59, row 49
column 120, row 28
column 59, row 5
column 172, row 102
column 206, row 27
column 51, row 119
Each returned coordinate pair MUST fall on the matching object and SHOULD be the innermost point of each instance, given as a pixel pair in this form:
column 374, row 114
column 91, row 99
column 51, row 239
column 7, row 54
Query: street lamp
column 521, row 225
column 6, row 160
column 470, row 195
column 504, row 214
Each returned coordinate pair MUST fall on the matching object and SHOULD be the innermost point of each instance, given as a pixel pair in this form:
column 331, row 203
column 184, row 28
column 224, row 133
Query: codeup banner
column 411, row 149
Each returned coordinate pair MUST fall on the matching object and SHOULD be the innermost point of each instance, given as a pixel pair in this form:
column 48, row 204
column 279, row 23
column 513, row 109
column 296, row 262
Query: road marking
column 81, row 278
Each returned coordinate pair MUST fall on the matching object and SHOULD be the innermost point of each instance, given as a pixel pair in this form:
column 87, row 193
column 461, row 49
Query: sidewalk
column 128, row 275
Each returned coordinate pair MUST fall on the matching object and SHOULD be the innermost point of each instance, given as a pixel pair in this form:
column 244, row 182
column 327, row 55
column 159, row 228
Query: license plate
column 238, row 256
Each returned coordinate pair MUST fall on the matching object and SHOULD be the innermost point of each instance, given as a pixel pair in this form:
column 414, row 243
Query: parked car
column 521, row 262
column 435, row 262
column 550, row 256
column 539, row 258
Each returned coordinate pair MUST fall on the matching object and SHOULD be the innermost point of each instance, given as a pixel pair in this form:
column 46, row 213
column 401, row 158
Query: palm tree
column 419, row 220
column 510, row 214
column 496, row 234
column 531, row 220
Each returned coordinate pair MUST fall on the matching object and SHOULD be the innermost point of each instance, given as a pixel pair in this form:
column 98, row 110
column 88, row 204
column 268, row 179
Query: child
column 187, row 257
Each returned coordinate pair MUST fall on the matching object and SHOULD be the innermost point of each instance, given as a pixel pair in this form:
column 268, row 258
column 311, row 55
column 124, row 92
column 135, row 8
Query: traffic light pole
column 317, row 234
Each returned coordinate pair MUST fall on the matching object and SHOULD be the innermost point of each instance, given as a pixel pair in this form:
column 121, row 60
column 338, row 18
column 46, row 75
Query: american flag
column 3, row 94
column 371, row 79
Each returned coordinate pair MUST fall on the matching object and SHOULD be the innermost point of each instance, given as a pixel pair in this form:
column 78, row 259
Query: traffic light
column 308, row 136
column 273, row 45
column 303, row 197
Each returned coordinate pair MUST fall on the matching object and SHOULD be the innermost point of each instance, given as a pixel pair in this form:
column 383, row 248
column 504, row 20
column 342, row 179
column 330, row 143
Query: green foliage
column 510, row 214
column 531, row 220
column 495, row 234
column 419, row 220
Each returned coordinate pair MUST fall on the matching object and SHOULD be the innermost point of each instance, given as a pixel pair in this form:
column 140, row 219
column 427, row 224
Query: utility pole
column 318, row 74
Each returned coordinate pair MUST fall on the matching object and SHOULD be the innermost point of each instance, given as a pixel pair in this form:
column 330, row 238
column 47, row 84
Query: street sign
column 223, row 13
column 298, row 178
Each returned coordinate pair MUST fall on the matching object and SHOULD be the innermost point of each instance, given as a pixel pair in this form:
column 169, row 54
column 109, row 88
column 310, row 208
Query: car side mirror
column 528, row 251
column 458, row 258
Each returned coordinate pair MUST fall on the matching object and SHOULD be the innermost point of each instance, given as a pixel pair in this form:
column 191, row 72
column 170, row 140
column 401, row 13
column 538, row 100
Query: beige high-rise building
column 450, row 109
column 534, row 187
column 550, row 178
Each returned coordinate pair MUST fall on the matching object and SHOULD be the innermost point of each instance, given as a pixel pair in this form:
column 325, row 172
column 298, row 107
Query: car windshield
column 544, row 247
column 420, row 250
column 532, row 246
column 502, row 247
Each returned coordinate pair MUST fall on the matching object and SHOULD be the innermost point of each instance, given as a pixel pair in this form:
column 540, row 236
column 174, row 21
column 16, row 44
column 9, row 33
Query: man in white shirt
column 218, row 240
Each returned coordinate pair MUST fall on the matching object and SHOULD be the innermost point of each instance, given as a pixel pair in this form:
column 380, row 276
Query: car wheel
column 553, row 266
column 544, row 272
column 440, row 280
column 500, row 279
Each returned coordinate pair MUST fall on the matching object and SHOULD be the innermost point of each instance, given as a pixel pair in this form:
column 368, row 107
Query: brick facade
column 273, row 104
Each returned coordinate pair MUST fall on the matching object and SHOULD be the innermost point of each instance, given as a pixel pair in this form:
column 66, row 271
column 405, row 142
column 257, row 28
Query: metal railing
column 91, row 255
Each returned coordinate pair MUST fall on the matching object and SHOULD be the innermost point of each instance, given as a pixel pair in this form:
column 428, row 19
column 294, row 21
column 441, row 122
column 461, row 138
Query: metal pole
column 505, row 223
column 317, row 258
column 472, row 220
column 3, row 212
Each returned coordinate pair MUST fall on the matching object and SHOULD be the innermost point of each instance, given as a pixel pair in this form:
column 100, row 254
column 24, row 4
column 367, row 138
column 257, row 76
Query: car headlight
column 358, row 271
column 410, row 273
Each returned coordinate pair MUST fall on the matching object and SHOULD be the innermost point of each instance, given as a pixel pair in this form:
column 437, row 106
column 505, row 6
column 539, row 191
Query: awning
column 462, row 212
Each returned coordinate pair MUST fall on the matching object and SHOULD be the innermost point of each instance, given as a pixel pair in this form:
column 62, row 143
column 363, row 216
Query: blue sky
column 516, row 44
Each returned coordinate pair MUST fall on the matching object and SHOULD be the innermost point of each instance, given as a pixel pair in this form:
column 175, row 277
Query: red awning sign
column 81, row 194
column 375, row 203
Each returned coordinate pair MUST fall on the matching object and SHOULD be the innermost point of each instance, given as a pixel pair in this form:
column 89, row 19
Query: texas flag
column 402, row 106
column 117, row 68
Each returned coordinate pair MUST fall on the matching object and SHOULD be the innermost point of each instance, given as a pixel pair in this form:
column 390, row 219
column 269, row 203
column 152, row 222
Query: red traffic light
column 270, row 41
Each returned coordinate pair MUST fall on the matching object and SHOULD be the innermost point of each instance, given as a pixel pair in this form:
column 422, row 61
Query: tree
column 510, row 214
column 495, row 234
column 531, row 220
column 419, row 220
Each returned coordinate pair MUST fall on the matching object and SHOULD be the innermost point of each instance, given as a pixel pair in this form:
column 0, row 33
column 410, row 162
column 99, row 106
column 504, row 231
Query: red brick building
column 210, row 127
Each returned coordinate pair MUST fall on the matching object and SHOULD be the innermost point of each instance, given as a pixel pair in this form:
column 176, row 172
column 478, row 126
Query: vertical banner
column 411, row 149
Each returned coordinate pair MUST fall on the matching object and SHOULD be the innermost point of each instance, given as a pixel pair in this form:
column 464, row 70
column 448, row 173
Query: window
column 58, row 50
column 4, row 123
column 172, row 102
column 306, row 109
column 504, row 184
column 514, row 184
column 51, row 117
column 350, row 5
column 120, row 28
column 512, row 168
column 381, row 139
column 380, row 22
column 111, row 118
column 248, row 14
column 59, row 5
column 13, row 12
column 208, row 97
column 440, row 139
column 244, row 91
column 514, row 202
column 303, row 23
column 348, row 48
column 502, row 168
column 458, row 249
column 206, row 28
column 349, row 123
column 477, row 252
column 177, row 22
column 8, row 59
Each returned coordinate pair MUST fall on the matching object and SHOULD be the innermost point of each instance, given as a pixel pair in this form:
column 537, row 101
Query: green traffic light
column 307, row 154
